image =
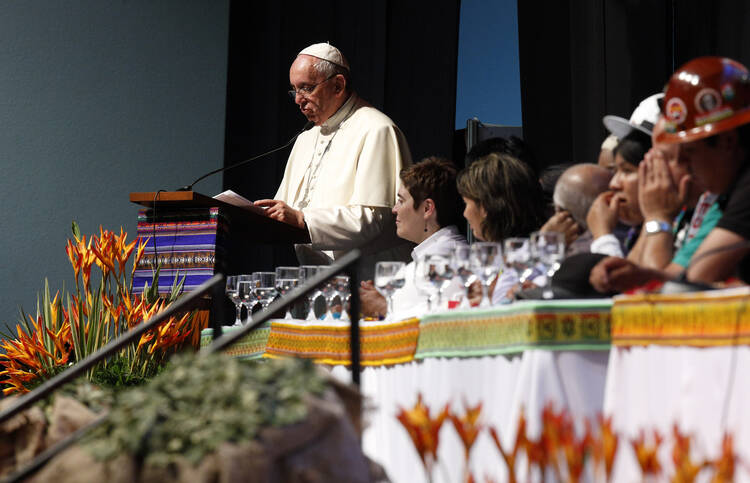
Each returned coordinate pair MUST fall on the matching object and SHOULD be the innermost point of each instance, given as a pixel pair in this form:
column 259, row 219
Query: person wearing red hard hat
column 707, row 110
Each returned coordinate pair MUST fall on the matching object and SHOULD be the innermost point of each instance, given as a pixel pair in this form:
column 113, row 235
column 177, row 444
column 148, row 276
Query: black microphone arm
column 189, row 187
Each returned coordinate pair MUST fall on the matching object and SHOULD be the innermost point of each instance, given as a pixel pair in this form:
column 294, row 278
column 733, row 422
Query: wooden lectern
column 195, row 236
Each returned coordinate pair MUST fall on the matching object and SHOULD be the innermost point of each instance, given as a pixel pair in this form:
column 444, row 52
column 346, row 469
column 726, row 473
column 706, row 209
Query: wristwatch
column 657, row 226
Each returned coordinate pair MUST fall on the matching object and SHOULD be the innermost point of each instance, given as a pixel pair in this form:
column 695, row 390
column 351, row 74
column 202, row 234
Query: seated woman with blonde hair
column 503, row 199
column 427, row 210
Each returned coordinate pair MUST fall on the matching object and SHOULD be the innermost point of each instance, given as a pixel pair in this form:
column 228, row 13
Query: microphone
column 189, row 187
column 682, row 284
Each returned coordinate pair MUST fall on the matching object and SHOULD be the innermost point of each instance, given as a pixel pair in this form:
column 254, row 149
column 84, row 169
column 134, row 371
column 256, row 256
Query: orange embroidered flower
column 725, row 464
column 423, row 430
column 605, row 446
column 646, row 454
column 467, row 426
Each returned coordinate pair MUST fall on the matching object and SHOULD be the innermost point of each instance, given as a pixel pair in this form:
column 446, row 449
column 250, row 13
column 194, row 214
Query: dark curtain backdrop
column 583, row 59
column 403, row 60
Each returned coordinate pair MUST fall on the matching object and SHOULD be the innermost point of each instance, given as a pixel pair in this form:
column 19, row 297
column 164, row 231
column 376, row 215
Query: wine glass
column 246, row 294
column 339, row 297
column 265, row 287
column 307, row 309
column 319, row 308
column 439, row 272
column 461, row 260
column 517, row 253
column 286, row 279
column 389, row 277
column 422, row 281
column 486, row 263
column 548, row 248
column 328, row 290
column 232, row 293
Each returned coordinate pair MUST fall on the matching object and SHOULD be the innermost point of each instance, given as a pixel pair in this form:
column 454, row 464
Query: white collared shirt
column 409, row 301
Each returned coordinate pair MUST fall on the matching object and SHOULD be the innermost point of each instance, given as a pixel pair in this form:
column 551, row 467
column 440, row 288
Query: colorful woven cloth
column 252, row 346
column 187, row 243
column 328, row 342
column 558, row 324
column 698, row 319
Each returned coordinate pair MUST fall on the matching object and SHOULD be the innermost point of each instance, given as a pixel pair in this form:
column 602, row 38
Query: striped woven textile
column 187, row 243
column 557, row 325
column 513, row 328
column 698, row 319
column 328, row 342
column 252, row 346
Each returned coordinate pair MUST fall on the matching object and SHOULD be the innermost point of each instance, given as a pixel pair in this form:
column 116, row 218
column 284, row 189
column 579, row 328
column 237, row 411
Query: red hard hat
column 706, row 96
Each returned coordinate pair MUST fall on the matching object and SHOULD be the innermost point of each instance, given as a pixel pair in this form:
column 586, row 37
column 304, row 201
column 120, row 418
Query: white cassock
column 344, row 176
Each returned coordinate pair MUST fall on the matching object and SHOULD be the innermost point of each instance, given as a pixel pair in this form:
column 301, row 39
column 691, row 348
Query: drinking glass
column 517, row 253
column 232, row 293
column 339, row 297
column 422, row 281
column 286, row 279
column 548, row 248
column 319, row 307
column 461, row 260
column 486, row 263
column 307, row 309
column 328, row 290
column 246, row 293
column 389, row 277
column 265, row 288
column 439, row 272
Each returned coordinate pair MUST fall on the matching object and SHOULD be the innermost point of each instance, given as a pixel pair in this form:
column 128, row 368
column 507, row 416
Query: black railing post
column 218, row 308
column 354, row 311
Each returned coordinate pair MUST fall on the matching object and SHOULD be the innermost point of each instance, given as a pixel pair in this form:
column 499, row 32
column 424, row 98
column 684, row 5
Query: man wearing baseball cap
column 341, row 178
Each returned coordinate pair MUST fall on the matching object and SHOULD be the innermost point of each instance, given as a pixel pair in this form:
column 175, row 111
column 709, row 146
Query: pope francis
column 341, row 178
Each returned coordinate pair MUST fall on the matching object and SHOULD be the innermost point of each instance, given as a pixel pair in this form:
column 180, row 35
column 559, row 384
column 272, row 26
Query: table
column 679, row 359
column 507, row 357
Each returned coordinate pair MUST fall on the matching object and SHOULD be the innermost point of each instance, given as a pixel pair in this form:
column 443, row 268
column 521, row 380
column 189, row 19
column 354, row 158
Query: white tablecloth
column 571, row 379
column 704, row 390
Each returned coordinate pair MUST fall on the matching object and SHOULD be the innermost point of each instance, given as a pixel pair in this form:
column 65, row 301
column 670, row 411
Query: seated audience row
column 673, row 175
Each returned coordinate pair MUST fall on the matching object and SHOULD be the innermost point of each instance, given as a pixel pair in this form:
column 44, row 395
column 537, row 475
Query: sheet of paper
column 234, row 199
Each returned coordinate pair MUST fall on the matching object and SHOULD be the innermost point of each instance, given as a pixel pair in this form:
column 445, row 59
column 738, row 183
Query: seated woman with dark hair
column 503, row 199
column 427, row 210
column 620, row 203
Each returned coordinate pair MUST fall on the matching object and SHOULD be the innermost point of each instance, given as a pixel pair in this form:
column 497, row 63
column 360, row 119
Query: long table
column 510, row 357
column 680, row 360
column 648, row 361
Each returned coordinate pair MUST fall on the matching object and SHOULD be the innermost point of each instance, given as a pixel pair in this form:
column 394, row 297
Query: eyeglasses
column 305, row 91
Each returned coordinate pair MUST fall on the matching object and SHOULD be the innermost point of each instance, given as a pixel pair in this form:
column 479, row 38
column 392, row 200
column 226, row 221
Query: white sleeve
column 344, row 227
column 607, row 245
column 506, row 281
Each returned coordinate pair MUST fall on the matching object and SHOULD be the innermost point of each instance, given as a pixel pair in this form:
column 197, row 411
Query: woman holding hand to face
column 620, row 203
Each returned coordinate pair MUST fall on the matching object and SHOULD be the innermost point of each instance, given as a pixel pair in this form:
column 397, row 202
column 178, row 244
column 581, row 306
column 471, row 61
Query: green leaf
column 76, row 230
